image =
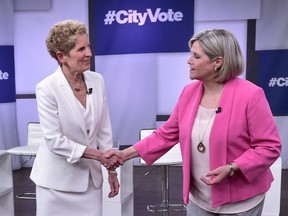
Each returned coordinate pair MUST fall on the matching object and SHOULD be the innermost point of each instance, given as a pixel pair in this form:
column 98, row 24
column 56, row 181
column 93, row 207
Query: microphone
column 219, row 110
column 89, row 91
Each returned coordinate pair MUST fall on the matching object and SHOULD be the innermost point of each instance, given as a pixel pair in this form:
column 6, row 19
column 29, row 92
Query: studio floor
column 147, row 190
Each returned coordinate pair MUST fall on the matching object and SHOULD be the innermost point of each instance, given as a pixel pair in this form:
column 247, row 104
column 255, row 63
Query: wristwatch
column 112, row 172
column 232, row 170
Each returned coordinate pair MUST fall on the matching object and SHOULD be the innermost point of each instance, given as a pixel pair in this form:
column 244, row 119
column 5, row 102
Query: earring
column 215, row 69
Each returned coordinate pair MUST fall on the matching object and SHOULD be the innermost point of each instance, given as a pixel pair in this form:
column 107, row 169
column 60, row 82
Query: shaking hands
column 113, row 158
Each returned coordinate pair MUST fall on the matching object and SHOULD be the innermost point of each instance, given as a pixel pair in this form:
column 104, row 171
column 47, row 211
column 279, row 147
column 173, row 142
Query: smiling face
column 201, row 66
column 78, row 58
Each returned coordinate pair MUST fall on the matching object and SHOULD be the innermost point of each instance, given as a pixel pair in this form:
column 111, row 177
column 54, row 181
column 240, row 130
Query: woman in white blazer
column 76, row 128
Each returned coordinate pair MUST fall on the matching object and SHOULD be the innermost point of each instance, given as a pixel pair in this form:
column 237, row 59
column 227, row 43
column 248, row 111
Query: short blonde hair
column 221, row 43
column 62, row 36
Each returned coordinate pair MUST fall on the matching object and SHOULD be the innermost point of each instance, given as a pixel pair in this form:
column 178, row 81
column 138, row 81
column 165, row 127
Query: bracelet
column 232, row 170
column 112, row 172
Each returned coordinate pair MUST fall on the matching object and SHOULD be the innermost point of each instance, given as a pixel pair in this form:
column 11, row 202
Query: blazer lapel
column 71, row 101
column 92, row 97
column 220, row 128
column 188, row 121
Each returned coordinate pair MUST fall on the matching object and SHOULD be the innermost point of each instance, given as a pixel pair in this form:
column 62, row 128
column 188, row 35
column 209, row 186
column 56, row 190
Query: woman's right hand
column 110, row 163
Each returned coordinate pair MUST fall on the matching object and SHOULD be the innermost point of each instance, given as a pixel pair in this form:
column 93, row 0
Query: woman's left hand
column 114, row 185
column 216, row 176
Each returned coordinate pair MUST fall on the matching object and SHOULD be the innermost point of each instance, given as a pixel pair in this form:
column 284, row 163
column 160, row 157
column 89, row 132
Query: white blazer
column 58, row 164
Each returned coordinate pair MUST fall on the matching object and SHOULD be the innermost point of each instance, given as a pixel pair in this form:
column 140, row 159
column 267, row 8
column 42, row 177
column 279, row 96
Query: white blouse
column 87, row 113
column 201, row 195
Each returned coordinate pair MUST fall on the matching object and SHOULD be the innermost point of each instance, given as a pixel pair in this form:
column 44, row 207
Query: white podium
column 273, row 196
column 123, row 203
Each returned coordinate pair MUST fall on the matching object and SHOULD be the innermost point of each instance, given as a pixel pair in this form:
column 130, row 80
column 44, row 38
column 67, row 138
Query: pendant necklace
column 201, row 147
column 75, row 88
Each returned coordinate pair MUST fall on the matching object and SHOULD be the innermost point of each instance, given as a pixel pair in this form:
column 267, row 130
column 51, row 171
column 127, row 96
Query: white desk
column 6, row 186
column 273, row 196
column 123, row 203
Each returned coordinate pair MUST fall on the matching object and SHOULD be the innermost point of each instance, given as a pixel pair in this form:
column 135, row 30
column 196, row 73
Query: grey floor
column 147, row 190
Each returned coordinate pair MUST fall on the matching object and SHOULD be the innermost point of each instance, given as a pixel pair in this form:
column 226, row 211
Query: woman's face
column 78, row 58
column 201, row 67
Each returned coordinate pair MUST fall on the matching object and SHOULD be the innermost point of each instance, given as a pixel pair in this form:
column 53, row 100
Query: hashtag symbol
column 110, row 17
column 272, row 82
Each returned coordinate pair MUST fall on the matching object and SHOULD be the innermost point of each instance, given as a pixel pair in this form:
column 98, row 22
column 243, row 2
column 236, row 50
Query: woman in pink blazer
column 226, row 130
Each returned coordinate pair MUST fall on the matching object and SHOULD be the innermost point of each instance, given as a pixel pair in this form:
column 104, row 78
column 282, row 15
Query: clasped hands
column 112, row 158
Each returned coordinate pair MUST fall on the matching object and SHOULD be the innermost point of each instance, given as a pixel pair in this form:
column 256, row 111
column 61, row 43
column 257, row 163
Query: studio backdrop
column 8, row 120
column 271, row 47
column 130, row 38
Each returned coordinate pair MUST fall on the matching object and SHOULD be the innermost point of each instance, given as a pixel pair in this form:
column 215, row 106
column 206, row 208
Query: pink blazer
column 244, row 132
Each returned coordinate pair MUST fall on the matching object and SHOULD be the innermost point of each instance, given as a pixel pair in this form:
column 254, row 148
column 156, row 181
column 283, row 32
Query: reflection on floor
column 147, row 190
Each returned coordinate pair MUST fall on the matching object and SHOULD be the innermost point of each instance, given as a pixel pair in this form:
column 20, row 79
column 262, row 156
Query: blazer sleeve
column 48, row 109
column 160, row 141
column 264, row 138
column 176, row 129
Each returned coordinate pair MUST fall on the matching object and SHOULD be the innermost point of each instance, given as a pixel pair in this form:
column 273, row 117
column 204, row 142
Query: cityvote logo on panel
column 278, row 82
column 4, row 75
column 273, row 78
column 137, row 26
column 135, row 17
column 7, row 74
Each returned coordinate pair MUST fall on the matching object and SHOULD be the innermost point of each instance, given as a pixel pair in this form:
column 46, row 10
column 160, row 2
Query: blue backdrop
column 273, row 78
column 7, row 75
column 137, row 26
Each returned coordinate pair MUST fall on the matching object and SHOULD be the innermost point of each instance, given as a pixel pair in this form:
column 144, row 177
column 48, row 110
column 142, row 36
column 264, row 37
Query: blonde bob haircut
column 62, row 36
column 221, row 43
